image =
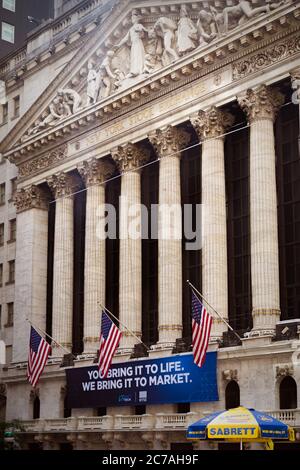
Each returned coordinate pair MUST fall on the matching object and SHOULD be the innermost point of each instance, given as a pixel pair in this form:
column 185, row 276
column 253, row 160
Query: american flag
column 201, row 326
column 109, row 341
column 39, row 351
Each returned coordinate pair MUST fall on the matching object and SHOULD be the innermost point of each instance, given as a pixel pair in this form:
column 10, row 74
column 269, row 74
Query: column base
column 264, row 322
column 91, row 345
column 218, row 328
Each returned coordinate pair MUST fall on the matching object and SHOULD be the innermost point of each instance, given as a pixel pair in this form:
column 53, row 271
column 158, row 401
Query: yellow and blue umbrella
column 240, row 425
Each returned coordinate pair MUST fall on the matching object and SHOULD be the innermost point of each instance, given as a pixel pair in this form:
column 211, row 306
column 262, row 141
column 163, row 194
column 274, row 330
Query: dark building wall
column 38, row 9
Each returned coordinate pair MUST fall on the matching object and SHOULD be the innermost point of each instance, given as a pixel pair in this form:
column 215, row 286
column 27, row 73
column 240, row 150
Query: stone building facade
column 160, row 103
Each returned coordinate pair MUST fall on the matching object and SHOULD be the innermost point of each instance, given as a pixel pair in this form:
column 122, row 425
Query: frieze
column 264, row 59
column 33, row 166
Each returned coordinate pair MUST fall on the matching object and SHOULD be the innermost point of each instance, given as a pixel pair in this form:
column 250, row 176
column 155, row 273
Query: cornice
column 185, row 71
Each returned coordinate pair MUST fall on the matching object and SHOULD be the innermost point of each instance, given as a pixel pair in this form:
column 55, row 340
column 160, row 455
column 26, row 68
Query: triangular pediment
column 135, row 41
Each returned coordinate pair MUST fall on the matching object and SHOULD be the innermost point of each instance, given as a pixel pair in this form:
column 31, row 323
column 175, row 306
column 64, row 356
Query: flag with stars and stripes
column 109, row 341
column 39, row 351
column 201, row 327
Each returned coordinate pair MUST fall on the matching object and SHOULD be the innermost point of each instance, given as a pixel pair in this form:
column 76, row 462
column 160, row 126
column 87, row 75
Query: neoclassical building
column 156, row 103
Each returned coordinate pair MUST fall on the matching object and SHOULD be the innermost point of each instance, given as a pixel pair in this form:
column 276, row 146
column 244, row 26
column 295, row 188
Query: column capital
column 261, row 103
column 32, row 197
column 95, row 172
column 130, row 156
column 169, row 141
column 62, row 184
column 212, row 123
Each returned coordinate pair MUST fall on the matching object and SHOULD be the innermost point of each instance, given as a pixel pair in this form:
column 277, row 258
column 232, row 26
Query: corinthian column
column 261, row 106
column 62, row 187
column 168, row 144
column 129, row 158
column 31, row 267
column 211, row 127
column 94, row 173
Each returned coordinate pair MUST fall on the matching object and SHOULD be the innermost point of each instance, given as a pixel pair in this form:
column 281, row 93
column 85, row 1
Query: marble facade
column 140, row 81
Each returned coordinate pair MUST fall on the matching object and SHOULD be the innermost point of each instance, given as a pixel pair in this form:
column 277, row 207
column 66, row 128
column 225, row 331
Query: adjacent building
column 167, row 104
column 18, row 18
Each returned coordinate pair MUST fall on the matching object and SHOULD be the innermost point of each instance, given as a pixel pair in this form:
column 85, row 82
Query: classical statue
column 242, row 12
column 153, row 50
column 134, row 39
column 165, row 27
column 71, row 100
column 54, row 113
column 207, row 26
column 91, row 84
column 186, row 33
column 106, row 77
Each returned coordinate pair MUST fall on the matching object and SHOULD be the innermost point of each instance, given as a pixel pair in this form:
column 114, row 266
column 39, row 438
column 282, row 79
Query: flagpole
column 48, row 336
column 122, row 324
column 214, row 310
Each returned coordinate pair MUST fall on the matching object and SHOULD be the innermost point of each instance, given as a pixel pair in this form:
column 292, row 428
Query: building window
column 9, row 5
column 13, row 187
column 67, row 409
column 113, row 191
column 288, row 187
column 288, row 394
column 12, row 230
column 183, row 408
column 8, row 32
column 4, row 113
column 140, row 410
column 2, row 193
column 237, row 164
column 36, row 408
column 0, row 316
column 102, row 411
column 10, row 314
column 11, row 272
column 150, row 259
column 191, row 259
column 1, row 274
column 1, row 234
column 16, row 106
column 232, row 395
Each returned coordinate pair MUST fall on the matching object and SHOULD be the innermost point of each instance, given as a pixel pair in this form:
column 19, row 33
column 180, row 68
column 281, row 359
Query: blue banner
column 174, row 379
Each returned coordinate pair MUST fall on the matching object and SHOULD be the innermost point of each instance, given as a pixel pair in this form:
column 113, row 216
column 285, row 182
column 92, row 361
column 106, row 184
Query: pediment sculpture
column 147, row 45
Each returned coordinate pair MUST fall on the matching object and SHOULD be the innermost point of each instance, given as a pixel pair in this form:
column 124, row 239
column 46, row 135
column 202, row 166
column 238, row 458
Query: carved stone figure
column 242, row 12
column 154, row 51
column 207, row 26
column 134, row 39
column 186, row 33
column 165, row 27
column 71, row 100
column 91, row 84
column 106, row 77
column 55, row 112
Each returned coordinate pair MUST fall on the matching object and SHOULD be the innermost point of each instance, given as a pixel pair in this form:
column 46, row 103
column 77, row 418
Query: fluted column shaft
column 168, row 143
column 94, row 173
column 31, row 267
column 63, row 265
column 211, row 126
column 129, row 158
column 261, row 106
